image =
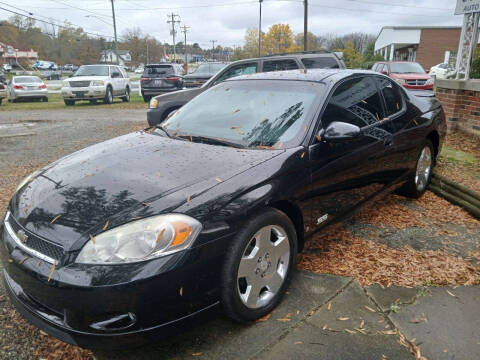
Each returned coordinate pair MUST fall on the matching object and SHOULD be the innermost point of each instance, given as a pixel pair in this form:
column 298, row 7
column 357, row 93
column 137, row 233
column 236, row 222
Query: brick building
column 428, row 45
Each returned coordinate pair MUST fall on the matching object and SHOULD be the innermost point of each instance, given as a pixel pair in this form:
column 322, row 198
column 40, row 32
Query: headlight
column 153, row 103
column 141, row 240
column 429, row 81
column 97, row 83
column 400, row 81
column 26, row 180
column 65, row 83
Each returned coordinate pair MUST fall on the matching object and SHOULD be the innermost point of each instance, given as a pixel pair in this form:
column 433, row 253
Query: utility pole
column 115, row 31
column 147, row 60
column 185, row 30
column 260, row 29
column 213, row 47
column 173, row 20
column 305, row 24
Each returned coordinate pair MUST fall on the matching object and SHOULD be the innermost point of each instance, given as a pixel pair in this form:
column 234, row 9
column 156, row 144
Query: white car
column 3, row 92
column 96, row 82
column 441, row 71
column 26, row 88
column 139, row 70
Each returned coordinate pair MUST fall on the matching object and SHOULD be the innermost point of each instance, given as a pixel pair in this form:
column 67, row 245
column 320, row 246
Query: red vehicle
column 410, row 75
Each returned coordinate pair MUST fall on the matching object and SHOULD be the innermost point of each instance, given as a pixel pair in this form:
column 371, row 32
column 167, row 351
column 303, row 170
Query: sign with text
column 467, row 6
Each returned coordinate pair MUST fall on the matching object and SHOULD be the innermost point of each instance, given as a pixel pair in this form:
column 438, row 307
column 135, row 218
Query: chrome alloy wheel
column 263, row 267
column 424, row 167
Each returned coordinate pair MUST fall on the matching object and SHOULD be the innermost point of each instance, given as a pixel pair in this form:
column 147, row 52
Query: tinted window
column 209, row 69
column 29, row 79
column 406, row 68
column 237, row 70
column 392, row 95
column 355, row 101
column 158, row 70
column 325, row 62
column 279, row 65
column 252, row 113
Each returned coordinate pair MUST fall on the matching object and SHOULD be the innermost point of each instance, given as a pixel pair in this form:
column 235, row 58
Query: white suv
column 96, row 82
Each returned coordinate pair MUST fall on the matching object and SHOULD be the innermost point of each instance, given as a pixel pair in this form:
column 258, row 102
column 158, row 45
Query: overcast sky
column 227, row 20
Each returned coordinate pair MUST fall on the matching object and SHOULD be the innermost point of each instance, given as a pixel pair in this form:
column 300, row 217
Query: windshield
column 157, row 70
column 209, row 69
column 406, row 68
column 260, row 114
column 29, row 79
column 92, row 70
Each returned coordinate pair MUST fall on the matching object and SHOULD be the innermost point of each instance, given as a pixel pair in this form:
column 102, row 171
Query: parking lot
column 429, row 258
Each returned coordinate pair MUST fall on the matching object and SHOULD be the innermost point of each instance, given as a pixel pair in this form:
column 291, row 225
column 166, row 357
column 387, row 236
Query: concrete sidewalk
column 333, row 317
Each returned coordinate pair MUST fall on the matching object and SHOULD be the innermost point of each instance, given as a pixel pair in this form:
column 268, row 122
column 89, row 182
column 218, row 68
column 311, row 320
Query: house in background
column 110, row 56
column 427, row 45
column 10, row 55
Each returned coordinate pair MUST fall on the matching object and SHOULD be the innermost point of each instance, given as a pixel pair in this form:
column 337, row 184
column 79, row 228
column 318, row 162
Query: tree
column 352, row 58
column 279, row 39
column 313, row 42
column 250, row 49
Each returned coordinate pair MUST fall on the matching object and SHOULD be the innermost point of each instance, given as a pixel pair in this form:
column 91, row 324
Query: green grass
column 458, row 156
column 55, row 101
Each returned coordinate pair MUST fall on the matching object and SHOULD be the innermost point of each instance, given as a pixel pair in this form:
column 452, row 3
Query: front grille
column 36, row 243
column 193, row 83
column 416, row 82
column 84, row 83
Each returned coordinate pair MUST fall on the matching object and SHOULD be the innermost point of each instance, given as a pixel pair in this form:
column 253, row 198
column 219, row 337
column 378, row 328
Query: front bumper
column 84, row 93
column 114, row 306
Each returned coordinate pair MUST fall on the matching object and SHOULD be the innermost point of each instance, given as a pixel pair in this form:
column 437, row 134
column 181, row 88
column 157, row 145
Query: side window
column 237, row 70
column 117, row 69
column 393, row 97
column 355, row 101
column 320, row 62
column 279, row 65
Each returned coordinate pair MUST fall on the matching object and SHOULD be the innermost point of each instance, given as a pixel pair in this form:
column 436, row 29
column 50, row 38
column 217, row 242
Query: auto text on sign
column 467, row 6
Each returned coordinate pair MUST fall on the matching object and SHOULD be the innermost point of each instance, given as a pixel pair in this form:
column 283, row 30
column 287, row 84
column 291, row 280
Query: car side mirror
column 339, row 131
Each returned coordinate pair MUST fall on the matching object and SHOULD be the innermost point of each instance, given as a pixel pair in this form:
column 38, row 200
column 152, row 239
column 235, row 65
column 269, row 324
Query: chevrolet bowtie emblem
column 22, row 236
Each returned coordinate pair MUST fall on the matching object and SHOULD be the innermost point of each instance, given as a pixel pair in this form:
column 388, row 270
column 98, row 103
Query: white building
column 110, row 56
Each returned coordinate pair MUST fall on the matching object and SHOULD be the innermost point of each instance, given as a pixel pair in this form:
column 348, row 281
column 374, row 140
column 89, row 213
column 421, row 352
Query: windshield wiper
column 213, row 141
column 164, row 130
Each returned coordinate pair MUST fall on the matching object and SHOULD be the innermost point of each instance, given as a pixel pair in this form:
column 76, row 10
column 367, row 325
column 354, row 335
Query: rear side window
column 279, row 65
column 237, row 70
column 158, row 70
column 320, row 62
column 355, row 101
column 393, row 97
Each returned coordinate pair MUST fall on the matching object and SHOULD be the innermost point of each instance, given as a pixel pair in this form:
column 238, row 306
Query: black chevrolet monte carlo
column 125, row 240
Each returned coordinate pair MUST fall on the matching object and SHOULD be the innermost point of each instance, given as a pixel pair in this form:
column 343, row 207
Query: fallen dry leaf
column 24, row 259
column 146, row 203
column 160, row 236
column 106, row 225
column 181, row 291
column 197, row 354
column 92, row 239
column 264, row 318
column 218, row 179
column 329, row 306
column 350, row 331
column 188, row 199
column 302, row 156
column 55, row 219
column 369, row 308
column 325, row 327
column 343, row 318
column 451, row 294
column 52, row 269
column 298, row 342
column 362, row 324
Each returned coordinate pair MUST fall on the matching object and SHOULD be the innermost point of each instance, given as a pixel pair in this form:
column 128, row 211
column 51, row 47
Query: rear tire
column 93, row 101
column 69, row 102
column 258, row 265
column 108, row 96
column 45, row 99
column 418, row 182
column 1, row 101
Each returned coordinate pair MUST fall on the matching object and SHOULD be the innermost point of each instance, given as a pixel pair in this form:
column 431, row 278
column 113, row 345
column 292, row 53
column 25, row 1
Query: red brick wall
column 434, row 43
column 462, row 109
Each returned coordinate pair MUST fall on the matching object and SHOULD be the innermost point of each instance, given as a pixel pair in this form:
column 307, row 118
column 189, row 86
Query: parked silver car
column 3, row 92
column 26, row 87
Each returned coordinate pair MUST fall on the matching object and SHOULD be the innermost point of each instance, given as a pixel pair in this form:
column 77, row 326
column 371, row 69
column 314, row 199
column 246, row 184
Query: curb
column 457, row 194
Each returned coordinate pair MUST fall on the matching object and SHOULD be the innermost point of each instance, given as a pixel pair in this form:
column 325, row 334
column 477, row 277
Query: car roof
column 397, row 61
column 312, row 75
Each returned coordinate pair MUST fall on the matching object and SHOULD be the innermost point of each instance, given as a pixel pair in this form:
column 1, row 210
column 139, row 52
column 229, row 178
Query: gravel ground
column 47, row 136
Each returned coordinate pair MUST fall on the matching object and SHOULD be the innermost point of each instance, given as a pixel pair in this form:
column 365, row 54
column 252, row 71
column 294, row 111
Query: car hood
column 84, row 78
column 122, row 179
column 411, row 76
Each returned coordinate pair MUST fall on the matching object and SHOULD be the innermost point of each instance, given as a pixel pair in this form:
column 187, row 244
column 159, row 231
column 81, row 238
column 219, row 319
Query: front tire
column 108, row 96
column 126, row 98
column 258, row 266
column 418, row 182
column 69, row 102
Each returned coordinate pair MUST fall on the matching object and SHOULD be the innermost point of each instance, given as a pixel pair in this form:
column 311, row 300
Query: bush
column 475, row 70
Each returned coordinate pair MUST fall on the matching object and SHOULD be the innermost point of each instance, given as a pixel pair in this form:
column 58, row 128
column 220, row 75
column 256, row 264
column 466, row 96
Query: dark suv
column 161, row 106
column 160, row 78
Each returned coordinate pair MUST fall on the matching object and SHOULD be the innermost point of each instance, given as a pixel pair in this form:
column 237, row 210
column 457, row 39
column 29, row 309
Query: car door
column 279, row 65
column 117, row 80
column 346, row 173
